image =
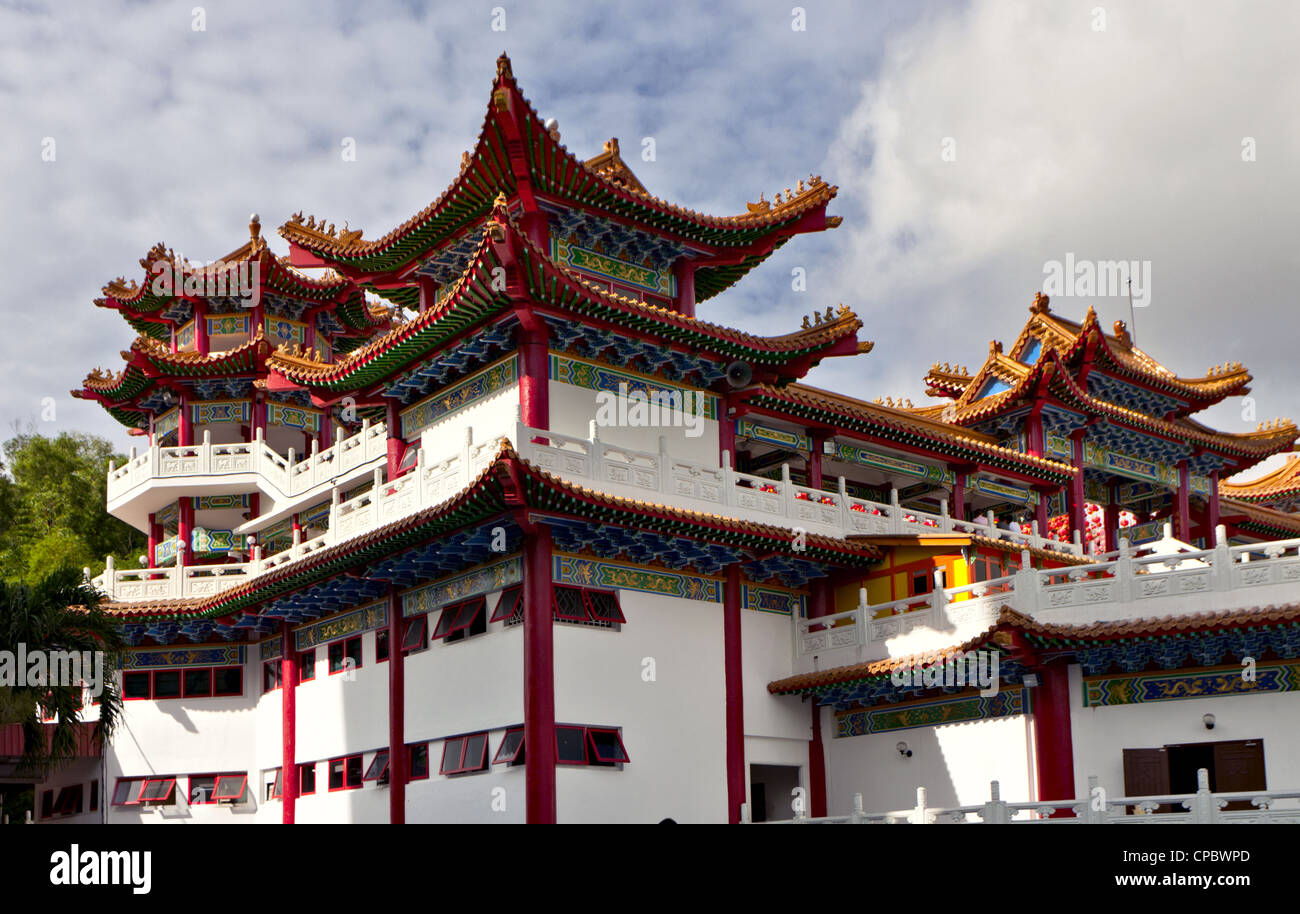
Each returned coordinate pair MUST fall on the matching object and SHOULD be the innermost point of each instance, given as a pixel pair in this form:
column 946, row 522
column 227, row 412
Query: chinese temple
column 484, row 520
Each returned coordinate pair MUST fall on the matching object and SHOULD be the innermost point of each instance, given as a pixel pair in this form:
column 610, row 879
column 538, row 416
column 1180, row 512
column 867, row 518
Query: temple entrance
column 771, row 792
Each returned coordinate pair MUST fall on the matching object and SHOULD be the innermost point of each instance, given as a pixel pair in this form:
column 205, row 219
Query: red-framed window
column 511, row 750
column 462, row 754
column 199, row 789
column 606, row 745
column 198, row 683
column 230, row 787
column 307, row 666
column 227, row 681
column 126, row 792
column 69, row 801
column 417, row 767
column 378, row 770
column 601, row 746
column 409, row 457
column 381, row 645
column 94, row 795
column 159, row 791
column 137, row 685
column 510, row 607
column 306, row 779
column 462, row 620
column 272, row 675
column 414, row 634
column 345, row 654
column 577, row 604
column 275, row 790
column 345, row 773
column 166, row 684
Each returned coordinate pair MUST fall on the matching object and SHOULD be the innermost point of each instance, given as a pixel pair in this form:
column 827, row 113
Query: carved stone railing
column 1203, row 808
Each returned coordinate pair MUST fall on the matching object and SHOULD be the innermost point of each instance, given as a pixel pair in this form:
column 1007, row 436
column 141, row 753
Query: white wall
column 674, row 728
column 490, row 418
column 573, row 408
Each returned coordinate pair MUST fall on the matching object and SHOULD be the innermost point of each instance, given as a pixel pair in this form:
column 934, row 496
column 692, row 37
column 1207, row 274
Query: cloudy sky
column 972, row 143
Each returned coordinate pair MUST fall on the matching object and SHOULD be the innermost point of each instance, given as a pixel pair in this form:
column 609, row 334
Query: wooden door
column 1146, row 773
column 1238, row 766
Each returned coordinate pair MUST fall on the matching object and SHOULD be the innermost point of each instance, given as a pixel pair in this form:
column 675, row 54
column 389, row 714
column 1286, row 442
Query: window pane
column 201, row 789
column 606, row 746
column 569, row 605
column 167, row 684
column 381, row 646
column 354, row 771
column 445, row 621
column 336, row 656
column 604, row 606
column 509, row 604
column 475, row 752
column 306, row 666
column 420, row 761
column 413, row 640
column 158, row 789
column 336, row 774
column 230, row 787
column 307, row 779
column 352, row 651
column 135, row 685
column 469, row 611
column 510, row 745
column 571, row 745
column 125, row 790
column 198, row 683
column 451, row 754
column 270, row 676
column 378, row 766
column 228, row 681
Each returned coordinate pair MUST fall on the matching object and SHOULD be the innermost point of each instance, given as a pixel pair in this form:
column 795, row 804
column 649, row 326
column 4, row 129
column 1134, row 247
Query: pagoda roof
column 1048, row 636
column 1282, row 484
column 478, row 297
column 507, row 482
column 1074, row 342
column 1257, row 518
column 515, row 153
column 905, row 426
column 142, row 306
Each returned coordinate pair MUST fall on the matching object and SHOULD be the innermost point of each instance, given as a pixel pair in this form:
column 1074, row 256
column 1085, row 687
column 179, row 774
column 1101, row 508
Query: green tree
column 59, row 612
column 52, row 507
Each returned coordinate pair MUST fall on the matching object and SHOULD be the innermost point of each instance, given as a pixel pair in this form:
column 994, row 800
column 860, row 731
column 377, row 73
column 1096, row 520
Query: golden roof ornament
column 503, row 66
column 762, row 206
column 995, row 347
column 806, row 325
column 1040, row 304
column 254, row 228
column 1122, row 335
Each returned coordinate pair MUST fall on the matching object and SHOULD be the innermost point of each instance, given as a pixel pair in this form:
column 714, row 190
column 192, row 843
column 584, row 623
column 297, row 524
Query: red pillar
column 288, row 724
column 726, row 430
column 396, row 444
column 1112, row 517
column 200, row 331
column 815, row 463
column 153, row 539
column 1040, row 514
column 1182, row 505
column 816, row 765
column 1212, row 512
column 534, row 381
column 1078, row 511
column 184, row 425
column 958, row 507
column 539, row 680
column 396, row 714
column 184, row 532
column 734, row 694
column 684, row 272
column 1053, row 743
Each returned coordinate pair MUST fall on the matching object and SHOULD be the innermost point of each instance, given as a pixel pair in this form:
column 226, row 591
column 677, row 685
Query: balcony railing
column 1193, row 580
column 1202, row 807
column 289, row 475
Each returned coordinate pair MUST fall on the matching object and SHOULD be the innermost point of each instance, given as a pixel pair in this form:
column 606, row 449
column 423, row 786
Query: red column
column 958, row 507
column 1040, row 514
column 816, row 765
column 1053, row 743
column 1212, row 511
column 534, row 381
column 1112, row 517
column 734, row 694
column 396, row 714
column 726, row 430
column 539, row 680
column 184, row 427
column 396, row 444
column 1078, row 511
column 153, row 539
column 288, row 724
column 684, row 272
column 1182, row 506
column 815, row 463
column 200, row 331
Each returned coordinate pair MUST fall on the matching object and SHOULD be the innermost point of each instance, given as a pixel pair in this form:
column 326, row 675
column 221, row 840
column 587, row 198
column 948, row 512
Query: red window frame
column 582, row 738
column 460, row 616
column 346, row 761
column 588, row 600
column 133, row 788
column 414, row 634
column 411, row 751
column 302, row 772
column 456, row 751
column 381, row 638
column 236, row 693
column 510, row 758
column 373, row 775
column 224, row 788
column 510, row 602
column 580, row 613
column 168, row 793
column 344, row 643
column 138, row 675
column 70, row 801
column 273, row 673
column 201, row 692
column 306, row 661
column 277, row 788
column 211, row 788
column 595, row 751
column 180, row 683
